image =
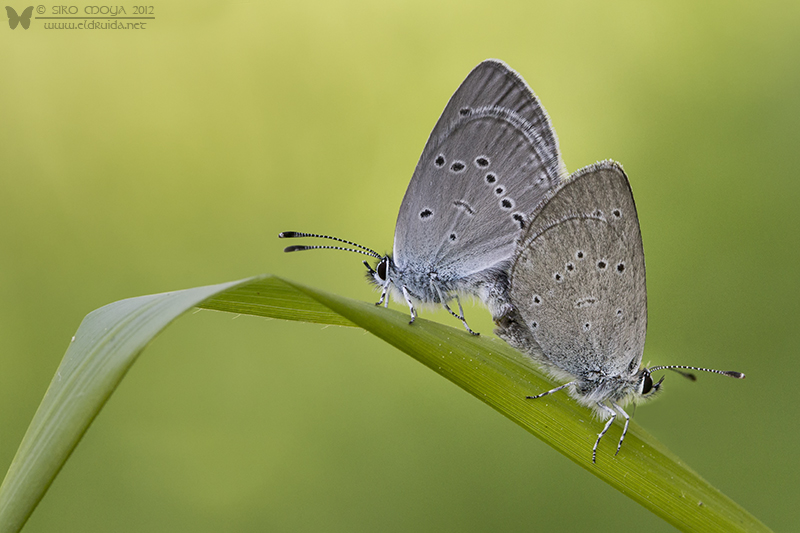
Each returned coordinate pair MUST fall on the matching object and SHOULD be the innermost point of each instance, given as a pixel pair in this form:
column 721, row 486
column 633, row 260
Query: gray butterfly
column 578, row 293
column 490, row 159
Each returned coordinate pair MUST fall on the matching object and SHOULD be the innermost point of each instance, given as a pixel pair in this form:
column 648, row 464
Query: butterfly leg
column 413, row 311
column 384, row 299
column 621, row 411
column 459, row 316
column 565, row 385
column 609, row 410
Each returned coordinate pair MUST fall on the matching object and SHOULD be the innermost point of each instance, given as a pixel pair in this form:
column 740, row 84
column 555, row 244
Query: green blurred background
column 136, row 162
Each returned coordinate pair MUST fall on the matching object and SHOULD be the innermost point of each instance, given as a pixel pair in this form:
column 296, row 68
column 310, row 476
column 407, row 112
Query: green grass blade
column 274, row 298
column 110, row 339
column 500, row 376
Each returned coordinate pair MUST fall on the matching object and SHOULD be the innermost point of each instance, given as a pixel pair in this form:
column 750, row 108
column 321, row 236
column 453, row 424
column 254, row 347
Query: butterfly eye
column 382, row 269
column 647, row 384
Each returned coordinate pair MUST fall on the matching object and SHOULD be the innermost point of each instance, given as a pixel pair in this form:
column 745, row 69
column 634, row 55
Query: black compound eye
column 382, row 270
column 647, row 384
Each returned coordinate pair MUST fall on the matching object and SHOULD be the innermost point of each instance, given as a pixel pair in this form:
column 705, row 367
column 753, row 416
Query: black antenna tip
column 295, row 248
column 733, row 374
column 287, row 235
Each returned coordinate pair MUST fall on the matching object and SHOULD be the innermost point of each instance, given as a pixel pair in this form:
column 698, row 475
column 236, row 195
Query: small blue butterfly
column 489, row 161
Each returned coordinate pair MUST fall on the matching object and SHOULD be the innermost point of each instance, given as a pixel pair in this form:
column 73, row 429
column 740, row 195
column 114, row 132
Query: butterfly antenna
column 689, row 375
column 294, row 234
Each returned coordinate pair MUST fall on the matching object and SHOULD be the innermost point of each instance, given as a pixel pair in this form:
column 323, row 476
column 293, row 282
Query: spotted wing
column 490, row 159
column 578, row 281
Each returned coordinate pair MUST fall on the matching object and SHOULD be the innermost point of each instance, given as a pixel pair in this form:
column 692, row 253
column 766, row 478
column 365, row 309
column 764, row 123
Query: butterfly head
column 646, row 389
column 381, row 275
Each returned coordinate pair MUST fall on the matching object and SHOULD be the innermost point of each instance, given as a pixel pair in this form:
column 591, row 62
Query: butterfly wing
column 578, row 282
column 490, row 159
column 25, row 18
column 493, row 83
column 13, row 18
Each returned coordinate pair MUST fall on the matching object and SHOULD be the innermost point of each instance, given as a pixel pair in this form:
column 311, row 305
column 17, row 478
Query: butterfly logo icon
column 24, row 19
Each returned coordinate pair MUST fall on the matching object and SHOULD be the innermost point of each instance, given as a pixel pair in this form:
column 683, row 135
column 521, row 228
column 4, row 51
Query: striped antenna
column 294, row 234
column 674, row 368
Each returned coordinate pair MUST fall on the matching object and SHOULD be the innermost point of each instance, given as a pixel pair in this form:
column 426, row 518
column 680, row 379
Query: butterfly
column 490, row 159
column 24, row 19
column 578, row 295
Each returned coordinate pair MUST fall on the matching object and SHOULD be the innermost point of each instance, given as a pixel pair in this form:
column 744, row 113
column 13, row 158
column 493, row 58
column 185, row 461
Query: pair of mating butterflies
column 558, row 260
